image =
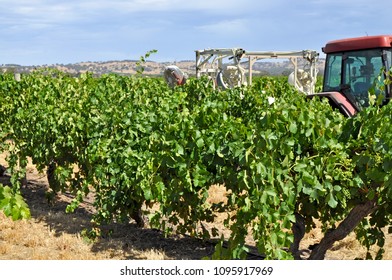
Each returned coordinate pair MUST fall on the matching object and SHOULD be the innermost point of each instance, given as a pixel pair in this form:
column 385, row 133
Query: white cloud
column 225, row 27
column 73, row 30
column 45, row 13
column 215, row 6
column 83, row 7
column 33, row 15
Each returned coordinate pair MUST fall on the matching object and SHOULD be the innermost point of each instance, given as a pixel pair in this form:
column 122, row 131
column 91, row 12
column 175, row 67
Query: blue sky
column 37, row 32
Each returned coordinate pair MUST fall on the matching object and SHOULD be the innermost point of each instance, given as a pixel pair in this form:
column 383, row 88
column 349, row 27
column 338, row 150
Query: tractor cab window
column 357, row 72
column 333, row 72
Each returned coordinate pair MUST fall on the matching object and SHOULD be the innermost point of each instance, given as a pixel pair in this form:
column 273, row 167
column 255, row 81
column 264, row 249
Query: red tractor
column 354, row 66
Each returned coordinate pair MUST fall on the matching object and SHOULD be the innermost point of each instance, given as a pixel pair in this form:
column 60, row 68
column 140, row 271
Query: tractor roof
column 359, row 43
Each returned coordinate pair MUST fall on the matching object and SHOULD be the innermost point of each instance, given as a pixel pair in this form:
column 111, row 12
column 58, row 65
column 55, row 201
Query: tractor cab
column 353, row 68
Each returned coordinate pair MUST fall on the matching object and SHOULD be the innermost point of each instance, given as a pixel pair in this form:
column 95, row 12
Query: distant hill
column 129, row 67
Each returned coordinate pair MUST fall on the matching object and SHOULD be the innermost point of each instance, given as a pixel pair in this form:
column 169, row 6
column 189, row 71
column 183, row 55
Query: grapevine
column 133, row 141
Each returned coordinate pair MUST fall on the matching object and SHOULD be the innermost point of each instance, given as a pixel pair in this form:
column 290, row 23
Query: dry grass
column 35, row 240
column 53, row 235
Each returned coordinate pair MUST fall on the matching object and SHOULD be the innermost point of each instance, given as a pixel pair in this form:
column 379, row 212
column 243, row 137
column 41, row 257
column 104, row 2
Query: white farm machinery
column 233, row 67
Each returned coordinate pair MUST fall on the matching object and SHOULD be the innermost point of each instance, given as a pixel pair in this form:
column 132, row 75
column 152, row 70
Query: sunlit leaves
column 13, row 204
column 133, row 140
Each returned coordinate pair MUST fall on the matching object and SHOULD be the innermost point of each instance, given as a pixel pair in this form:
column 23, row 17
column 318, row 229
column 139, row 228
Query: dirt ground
column 51, row 234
